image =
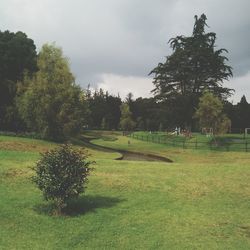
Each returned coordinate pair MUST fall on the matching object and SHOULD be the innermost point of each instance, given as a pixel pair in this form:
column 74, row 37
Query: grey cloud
column 127, row 37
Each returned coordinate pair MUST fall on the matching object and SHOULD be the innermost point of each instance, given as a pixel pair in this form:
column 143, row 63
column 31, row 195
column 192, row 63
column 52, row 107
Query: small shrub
column 61, row 174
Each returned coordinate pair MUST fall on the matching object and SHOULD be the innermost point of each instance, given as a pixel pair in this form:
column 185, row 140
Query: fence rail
column 196, row 144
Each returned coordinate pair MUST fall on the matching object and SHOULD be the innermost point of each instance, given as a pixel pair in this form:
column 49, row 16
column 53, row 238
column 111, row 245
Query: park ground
column 199, row 201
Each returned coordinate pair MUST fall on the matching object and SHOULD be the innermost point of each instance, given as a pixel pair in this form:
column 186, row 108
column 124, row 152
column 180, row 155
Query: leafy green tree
column 61, row 174
column 242, row 114
column 50, row 102
column 195, row 65
column 113, row 112
column 210, row 114
column 148, row 113
column 103, row 106
column 126, row 121
column 17, row 56
column 140, row 124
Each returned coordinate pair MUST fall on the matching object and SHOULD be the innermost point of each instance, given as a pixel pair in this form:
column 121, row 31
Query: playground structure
column 182, row 132
column 207, row 131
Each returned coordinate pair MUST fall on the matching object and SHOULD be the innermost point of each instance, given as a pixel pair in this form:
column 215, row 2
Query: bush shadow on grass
column 80, row 206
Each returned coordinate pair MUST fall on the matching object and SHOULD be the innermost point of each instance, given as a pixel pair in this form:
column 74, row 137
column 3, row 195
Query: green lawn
column 201, row 201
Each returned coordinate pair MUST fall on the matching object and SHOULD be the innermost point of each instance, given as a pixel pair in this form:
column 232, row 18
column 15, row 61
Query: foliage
column 210, row 114
column 240, row 114
column 104, row 110
column 148, row 113
column 61, row 174
column 224, row 124
column 126, row 121
column 17, row 55
column 103, row 124
column 195, row 65
column 50, row 102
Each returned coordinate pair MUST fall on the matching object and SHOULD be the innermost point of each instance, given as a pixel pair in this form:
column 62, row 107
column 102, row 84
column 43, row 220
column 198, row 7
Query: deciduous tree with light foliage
column 50, row 102
column 126, row 121
column 210, row 114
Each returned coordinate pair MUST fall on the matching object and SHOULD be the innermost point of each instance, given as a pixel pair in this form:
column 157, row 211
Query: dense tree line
column 239, row 114
column 149, row 114
column 104, row 110
column 17, row 58
column 38, row 92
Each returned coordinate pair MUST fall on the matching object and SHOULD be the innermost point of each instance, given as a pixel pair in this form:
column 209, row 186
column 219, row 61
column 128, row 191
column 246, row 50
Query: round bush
column 61, row 174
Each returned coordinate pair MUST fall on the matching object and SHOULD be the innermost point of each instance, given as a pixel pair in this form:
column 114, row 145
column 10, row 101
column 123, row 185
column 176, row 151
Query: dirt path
column 126, row 155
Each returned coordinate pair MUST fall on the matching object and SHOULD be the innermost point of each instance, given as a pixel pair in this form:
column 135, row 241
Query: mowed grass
column 201, row 201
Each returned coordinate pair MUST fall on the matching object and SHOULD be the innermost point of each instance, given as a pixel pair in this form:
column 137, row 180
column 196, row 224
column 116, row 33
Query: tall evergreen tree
column 195, row 65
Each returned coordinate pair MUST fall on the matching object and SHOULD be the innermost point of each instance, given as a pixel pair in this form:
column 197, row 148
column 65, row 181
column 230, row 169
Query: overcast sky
column 114, row 44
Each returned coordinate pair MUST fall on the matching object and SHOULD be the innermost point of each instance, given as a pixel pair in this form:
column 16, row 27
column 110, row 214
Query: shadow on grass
column 80, row 206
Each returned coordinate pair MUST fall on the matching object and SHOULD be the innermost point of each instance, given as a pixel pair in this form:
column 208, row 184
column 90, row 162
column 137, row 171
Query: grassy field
column 200, row 201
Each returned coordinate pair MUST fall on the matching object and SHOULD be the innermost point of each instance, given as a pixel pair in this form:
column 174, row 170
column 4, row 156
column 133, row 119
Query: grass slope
column 201, row 201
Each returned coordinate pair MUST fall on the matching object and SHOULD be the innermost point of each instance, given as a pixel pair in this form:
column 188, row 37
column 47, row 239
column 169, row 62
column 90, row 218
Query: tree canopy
column 126, row 121
column 104, row 110
column 210, row 114
column 195, row 65
column 17, row 55
column 38, row 93
column 239, row 114
column 50, row 102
